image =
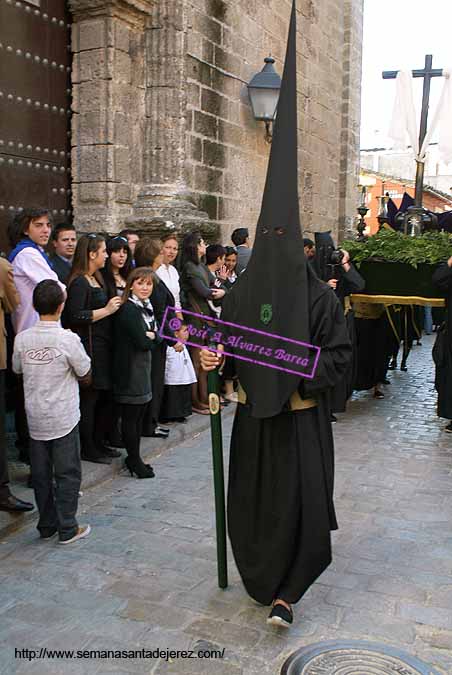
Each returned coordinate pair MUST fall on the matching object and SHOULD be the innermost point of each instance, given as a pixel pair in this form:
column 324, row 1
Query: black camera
column 328, row 257
column 336, row 257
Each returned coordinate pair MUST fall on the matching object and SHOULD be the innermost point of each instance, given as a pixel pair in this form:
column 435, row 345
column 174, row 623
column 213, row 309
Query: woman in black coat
column 136, row 336
column 195, row 296
column 148, row 253
column 88, row 313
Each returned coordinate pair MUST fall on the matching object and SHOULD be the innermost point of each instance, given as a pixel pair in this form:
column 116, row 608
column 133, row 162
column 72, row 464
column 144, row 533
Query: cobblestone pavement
column 146, row 577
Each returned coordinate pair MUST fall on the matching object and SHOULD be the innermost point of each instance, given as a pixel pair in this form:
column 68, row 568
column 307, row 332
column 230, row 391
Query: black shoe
column 393, row 365
column 48, row 532
column 333, row 419
column 109, row 452
column 378, row 394
column 96, row 458
column 385, row 381
column 15, row 505
column 164, row 429
column 448, row 429
column 159, row 433
column 280, row 616
column 139, row 468
column 403, row 366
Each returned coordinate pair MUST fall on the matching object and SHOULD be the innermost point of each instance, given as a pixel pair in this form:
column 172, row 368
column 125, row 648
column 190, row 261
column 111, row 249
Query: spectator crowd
column 88, row 371
column 83, row 365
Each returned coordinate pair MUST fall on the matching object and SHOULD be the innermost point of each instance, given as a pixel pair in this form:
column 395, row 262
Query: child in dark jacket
column 135, row 337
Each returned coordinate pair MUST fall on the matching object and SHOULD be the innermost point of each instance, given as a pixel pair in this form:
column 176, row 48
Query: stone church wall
column 163, row 134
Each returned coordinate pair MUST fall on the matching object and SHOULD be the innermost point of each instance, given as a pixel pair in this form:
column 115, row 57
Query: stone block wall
column 108, row 109
column 163, row 132
column 227, row 155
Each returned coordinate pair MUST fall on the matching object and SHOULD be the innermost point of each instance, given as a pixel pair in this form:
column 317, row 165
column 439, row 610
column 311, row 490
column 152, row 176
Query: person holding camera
column 346, row 281
column 337, row 271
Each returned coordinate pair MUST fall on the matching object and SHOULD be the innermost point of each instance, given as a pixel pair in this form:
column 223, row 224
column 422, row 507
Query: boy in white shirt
column 52, row 361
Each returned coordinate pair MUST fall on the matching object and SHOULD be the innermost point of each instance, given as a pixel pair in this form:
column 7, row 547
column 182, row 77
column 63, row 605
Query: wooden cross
column 427, row 73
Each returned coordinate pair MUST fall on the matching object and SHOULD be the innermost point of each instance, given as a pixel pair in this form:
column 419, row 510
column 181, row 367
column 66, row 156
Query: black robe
column 348, row 282
column 280, row 494
column 442, row 278
column 375, row 340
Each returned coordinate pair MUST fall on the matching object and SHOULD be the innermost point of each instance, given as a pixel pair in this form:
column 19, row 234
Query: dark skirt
column 280, row 509
column 176, row 401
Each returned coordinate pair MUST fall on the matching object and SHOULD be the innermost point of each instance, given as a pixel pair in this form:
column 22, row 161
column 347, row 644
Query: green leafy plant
column 430, row 248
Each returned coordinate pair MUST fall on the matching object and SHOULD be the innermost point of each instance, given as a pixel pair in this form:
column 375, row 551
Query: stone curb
column 95, row 474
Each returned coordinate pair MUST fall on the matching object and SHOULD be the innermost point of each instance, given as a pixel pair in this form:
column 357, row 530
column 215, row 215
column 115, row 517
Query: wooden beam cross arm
column 427, row 71
column 392, row 74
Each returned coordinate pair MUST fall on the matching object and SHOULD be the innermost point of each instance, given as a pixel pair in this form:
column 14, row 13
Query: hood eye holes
column 280, row 230
column 265, row 230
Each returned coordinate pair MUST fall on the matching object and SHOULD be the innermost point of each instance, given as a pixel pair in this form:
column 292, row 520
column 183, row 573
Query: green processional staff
column 280, row 507
column 213, row 382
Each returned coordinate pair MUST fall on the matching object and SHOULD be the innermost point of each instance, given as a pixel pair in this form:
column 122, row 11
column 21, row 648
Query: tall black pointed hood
column 274, row 283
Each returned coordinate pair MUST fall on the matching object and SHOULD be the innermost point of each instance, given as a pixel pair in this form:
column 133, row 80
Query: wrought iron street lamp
column 362, row 210
column 263, row 91
column 383, row 214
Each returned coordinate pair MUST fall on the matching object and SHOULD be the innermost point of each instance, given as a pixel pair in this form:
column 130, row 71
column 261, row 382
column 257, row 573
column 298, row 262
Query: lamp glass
column 264, row 102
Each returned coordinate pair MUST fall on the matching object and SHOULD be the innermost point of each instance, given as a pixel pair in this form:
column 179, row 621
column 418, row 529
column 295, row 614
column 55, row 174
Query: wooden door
column 35, row 103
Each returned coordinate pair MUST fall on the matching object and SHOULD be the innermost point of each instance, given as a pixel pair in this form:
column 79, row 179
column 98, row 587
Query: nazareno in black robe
column 442, row 278
column 280, row 495
column 281, row 473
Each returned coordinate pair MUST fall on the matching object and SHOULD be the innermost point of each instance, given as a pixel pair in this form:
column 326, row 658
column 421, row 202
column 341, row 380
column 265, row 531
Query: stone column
column 108, row 106
column 164, row 201
column 351, row 117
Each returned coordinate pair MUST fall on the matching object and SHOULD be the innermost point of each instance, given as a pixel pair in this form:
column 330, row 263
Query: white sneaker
column 83, row 531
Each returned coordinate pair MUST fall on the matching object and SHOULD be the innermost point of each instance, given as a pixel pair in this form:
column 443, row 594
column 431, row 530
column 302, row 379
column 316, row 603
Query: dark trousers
column 95, row 419
column 4, row 476
column 132, row 416
column 57, row 505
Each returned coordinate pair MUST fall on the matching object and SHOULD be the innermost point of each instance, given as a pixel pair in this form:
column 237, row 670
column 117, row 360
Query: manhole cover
column 353, row 658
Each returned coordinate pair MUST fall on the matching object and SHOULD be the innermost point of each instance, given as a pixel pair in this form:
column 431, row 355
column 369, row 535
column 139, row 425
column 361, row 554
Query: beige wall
column 163, row 132
column 227, row 154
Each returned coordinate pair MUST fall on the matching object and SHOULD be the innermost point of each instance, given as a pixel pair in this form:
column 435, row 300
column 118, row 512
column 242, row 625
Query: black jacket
column 132, row 356
column 62, row 269
column 82, row 300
